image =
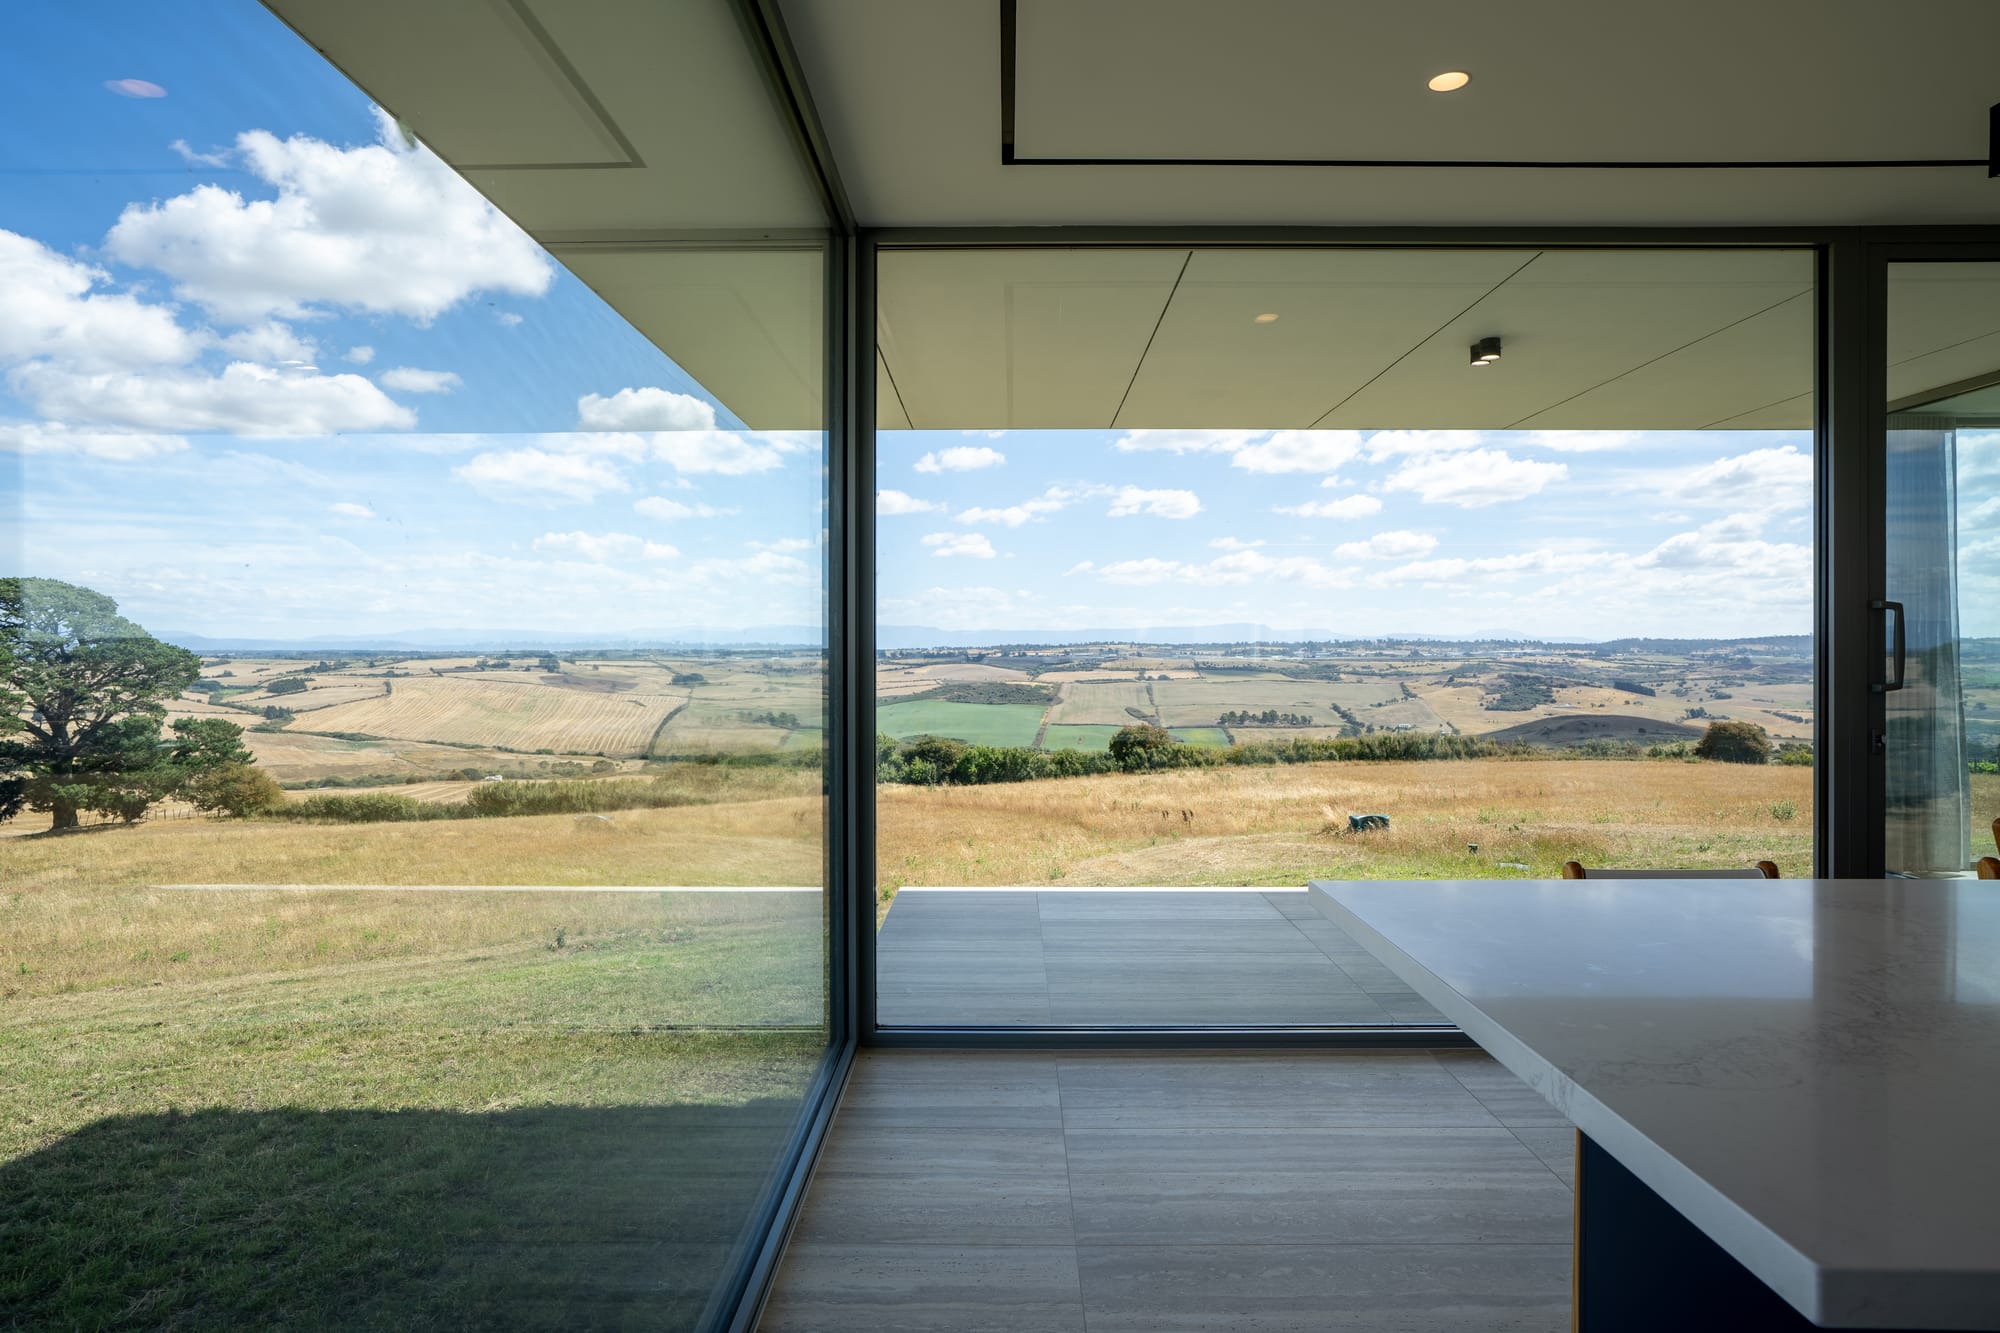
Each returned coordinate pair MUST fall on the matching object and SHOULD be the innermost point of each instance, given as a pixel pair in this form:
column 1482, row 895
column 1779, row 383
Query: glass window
column 413, row 652
column 1207, row 573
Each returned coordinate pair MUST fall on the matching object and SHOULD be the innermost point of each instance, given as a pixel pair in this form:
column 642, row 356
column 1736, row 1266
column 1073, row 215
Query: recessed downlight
column 1268, row 317
column 1449, row 82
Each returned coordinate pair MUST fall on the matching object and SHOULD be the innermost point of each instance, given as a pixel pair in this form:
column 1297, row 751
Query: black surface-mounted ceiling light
column 1486, row 351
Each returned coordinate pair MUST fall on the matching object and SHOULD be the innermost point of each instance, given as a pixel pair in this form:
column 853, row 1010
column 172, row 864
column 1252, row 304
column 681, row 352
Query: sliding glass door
column 1940, row 615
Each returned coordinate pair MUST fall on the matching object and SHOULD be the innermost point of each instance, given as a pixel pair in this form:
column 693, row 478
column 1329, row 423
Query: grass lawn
column 448, row 1112
column 1215, row 736
column 979, row 724
column 1071, row 737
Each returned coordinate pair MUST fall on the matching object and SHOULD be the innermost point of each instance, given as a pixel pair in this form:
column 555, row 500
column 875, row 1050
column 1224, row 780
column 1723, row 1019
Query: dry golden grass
column 525, row 714
column 1271, row 825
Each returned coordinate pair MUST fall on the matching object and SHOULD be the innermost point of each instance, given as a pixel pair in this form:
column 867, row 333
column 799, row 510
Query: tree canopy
column 1734, row 743
column 82, row 699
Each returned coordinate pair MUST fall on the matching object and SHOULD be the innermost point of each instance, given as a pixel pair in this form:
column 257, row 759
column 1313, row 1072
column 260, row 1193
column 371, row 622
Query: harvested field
column 519, row 715
column 1086, row 703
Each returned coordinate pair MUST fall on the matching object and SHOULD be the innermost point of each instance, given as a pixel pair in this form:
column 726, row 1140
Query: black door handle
column 1895, row 609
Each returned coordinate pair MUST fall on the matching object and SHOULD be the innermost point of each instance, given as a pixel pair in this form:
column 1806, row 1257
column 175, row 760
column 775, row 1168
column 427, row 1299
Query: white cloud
column 1299, row 451
column 1768, row 480
column 1495, row 568
column 359, row 356
column 408, row 379
column 1394, row 545
column 960, row 458
column 1130, row 500
column 384, row 228
column 1397, row 443
column 1048, row 502
column 135, row 88
column 644, row 409
column 722, row 453
column 1474, row 480
column 601, row 546
column 507, row 319
column 348, row 509
column 891, row 503
column 538, row 475
column 1351, row 506
column 658, row 506
column 245, row 399
column 273, row 344
column 1080, row 567
column 785, row 544
column 48, row 309
column 1581, row 441
column 1183, row 441
column 765, row 567
column 49, row 437
column 1145, row 571
column 1235, row 544
column 973, row 544
column 218, row 158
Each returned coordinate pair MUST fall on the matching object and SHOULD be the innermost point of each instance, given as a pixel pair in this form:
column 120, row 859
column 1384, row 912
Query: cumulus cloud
column 765, row 568
column 49, row 437
column 1299, row 451
column 1183, row 441
column 1395, row 545
column 960, row 458
column 538, row 475
column 785, row 544
column 1351, row 506
column 642, row 409
column 218, row 158
column 1128, row 500
column 1767, row 480
column 1475, row 479
column 1385, row 444
column 49, row 308
column 660, row 507
column 1048, row 502
column 408, row 379
column 973, row 544
column 1149, row 570
column 723, row 453
column 271, row 343
column 245, row 399
column 1581, row 441
column 602, row 546
column 385, row 228
column 359, row 356
column 348, row 509
column 891, row 503
column 1234, row 544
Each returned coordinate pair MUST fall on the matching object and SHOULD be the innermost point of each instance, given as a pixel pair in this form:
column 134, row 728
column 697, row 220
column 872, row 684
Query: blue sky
column 267, row 369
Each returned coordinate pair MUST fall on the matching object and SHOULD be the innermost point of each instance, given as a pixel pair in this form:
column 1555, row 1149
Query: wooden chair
column 1989, row 867
column 1762, row 870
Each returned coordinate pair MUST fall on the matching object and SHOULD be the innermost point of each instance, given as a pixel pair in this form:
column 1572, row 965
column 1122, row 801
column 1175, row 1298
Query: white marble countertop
column 1808, row 1071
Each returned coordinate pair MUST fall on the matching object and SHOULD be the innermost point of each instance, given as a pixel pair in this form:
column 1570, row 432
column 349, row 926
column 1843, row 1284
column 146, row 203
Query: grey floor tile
column 1555, row 1145
column 953, row 1089
column 1295, row 904
column 1511, row 1101
column 1354, row 1186
column 1306, row 1090
column 876, row 1288
column 1223, row 904
column 977, row 1197
column 1306, row 1288
column 1233, row 936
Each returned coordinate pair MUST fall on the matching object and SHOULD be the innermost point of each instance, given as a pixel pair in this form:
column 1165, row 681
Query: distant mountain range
column 899, row 637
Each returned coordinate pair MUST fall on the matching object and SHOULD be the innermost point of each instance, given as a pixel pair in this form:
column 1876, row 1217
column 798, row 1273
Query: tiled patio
column 1128, row 957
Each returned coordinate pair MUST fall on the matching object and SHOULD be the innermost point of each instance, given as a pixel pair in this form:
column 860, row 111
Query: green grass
column 1078, row 738
column 807, row 738
column 535, row 1133
column 980, row 724
column 1214, row 736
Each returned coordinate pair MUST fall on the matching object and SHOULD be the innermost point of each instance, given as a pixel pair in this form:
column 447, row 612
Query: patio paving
column 1128, row 957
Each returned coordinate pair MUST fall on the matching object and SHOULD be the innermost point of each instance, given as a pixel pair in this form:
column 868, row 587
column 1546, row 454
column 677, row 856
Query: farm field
column 523, row 714
column 980, row 724
column 1060, row 737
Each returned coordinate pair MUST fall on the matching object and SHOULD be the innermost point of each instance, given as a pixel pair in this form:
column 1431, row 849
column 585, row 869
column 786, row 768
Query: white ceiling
column 910, row 94
column 641, row 142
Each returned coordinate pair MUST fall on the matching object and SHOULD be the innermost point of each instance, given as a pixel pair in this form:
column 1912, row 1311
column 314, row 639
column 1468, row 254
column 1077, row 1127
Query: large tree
column 82, row 697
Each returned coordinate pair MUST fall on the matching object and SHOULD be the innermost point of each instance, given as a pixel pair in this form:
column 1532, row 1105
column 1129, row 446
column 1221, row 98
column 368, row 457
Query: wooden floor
column 1151, row 958
column 1404, row 1191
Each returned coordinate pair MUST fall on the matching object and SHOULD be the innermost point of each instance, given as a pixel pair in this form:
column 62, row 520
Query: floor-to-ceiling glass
column 1206, row 572
column 1941, row 626
column 412, row 666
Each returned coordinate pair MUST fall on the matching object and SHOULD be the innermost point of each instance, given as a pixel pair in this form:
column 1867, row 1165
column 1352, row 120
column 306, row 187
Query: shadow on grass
column 552, row 1217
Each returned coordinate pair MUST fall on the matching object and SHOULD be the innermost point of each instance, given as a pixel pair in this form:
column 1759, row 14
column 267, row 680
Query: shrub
column 234, row 789
column 1132, row 746
column 1734, row 743
column 1794, row 755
